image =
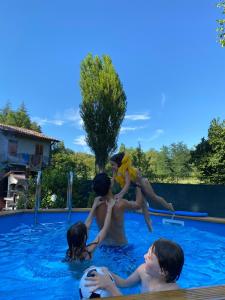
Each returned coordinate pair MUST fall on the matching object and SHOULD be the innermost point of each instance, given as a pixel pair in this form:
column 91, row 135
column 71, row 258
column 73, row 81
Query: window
column 39, row 149
column 12, row 147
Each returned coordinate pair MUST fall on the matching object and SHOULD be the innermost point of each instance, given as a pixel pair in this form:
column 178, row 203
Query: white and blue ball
column 86, row 291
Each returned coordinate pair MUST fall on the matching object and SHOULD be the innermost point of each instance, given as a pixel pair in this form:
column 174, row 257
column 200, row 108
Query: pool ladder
column 37, row 197
column 69, row 195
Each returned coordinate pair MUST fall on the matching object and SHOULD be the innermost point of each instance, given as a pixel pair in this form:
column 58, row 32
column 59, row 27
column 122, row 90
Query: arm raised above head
column 134, row 205
column 91, row 214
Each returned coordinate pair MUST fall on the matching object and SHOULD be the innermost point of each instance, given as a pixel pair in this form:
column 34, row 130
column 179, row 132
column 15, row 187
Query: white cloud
column 138, row 117
column 57, row 122
column 125, row 129
column 70, row 115
column 156, row 134
column 80, row 140
column 39, row 121
column 43, row 122
column 163, row 99
column 81, row 122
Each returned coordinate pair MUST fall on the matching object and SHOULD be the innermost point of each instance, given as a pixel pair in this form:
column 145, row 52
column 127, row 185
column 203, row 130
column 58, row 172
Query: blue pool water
column 31, row 264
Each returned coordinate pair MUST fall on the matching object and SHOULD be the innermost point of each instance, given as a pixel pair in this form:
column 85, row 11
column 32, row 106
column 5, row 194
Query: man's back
column 116, row 233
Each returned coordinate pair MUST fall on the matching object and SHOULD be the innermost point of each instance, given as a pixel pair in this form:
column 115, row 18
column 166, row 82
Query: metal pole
column 37, row 196
column 69, row 195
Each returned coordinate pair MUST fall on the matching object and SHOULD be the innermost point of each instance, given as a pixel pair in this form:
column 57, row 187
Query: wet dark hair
column 76, row 239
column 101, row 184
column 171, row 258
column 117, row 158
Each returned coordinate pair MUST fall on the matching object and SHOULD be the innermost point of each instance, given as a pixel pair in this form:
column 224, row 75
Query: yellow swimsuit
column 126, row 165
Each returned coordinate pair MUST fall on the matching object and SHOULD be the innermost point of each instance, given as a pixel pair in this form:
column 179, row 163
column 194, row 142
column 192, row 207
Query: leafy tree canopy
column 221, row 24
column 209, row 154
column 103, row 106
column 19, row 117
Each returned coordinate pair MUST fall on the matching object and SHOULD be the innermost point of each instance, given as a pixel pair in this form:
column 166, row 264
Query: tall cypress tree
column 103, row 106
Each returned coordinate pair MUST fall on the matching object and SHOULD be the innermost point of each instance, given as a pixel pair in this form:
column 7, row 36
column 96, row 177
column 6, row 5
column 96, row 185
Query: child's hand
column 97, row 202
column 110, row 203
column 100, row 281
column 118, row 197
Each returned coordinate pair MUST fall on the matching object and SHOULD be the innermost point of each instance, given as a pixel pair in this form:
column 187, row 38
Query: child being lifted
column 125, row 174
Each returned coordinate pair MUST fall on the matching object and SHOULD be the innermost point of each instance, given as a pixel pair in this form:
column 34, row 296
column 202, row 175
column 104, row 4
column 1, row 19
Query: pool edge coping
column 60, row 210
column 201, row 293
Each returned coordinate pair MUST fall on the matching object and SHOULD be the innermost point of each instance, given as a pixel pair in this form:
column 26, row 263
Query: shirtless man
column 160, row 271
column 116, row 232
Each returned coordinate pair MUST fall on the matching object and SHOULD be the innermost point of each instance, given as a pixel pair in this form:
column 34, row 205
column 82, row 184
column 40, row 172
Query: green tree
column 103, row 106
column 122, row 148
column 200, row 158
column 180, row 161
column 209, row 154
column 152, row 157
column 19, row 118
column 172, row 162
column 164, row 165
column 221, row 24
column 7, row 115
column 55, row 180
column 141, row 161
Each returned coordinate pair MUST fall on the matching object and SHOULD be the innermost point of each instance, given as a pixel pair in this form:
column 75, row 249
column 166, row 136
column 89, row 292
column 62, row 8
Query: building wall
column 28, row 146
column 25, row 144
column 25, row 154
column 3, row 146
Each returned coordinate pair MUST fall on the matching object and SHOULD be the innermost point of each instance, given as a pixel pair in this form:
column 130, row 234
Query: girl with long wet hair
column 77, row 234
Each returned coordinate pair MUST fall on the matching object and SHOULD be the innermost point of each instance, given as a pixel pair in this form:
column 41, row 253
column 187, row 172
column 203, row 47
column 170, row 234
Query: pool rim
column 60, row 210
column 202, row 293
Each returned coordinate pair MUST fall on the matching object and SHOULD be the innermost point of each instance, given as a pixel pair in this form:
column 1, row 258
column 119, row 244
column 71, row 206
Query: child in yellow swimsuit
column 125, row 174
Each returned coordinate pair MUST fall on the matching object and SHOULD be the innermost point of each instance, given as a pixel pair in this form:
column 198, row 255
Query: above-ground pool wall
column 193, row 197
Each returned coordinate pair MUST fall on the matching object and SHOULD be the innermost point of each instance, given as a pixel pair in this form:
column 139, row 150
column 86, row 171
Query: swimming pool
column 31, row 257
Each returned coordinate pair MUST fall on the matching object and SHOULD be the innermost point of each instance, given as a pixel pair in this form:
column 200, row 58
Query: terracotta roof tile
column 26, row 132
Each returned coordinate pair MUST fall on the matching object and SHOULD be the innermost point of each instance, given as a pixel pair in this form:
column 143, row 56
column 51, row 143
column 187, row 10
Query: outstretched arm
column 134, row 205
column 102, row 233
column 133, row 279
column 125, row 188
column 91, row 214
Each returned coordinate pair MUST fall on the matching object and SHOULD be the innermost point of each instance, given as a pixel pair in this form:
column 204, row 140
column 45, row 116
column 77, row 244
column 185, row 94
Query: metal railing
column 69, row 195
column 37, row 197
column 34, row 161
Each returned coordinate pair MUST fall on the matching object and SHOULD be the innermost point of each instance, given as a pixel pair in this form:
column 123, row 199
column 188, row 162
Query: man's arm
column 134, row 205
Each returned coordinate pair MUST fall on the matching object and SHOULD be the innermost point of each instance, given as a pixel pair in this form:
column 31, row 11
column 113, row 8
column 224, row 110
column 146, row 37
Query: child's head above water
column 101, row 184
column 165, row 257
column 116, row 159
column 76, row 239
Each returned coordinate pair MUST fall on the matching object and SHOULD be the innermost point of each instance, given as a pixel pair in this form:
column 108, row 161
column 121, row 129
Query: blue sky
column 165, row 52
